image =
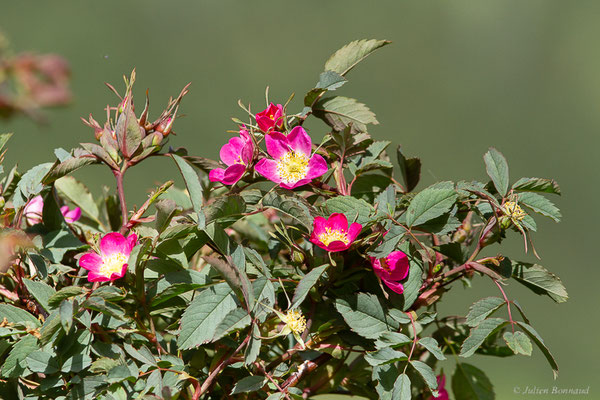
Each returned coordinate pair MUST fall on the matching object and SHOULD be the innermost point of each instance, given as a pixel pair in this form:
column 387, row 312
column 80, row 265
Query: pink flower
column 236, row 154
column 442, row 392
column 292, row 164
column 333, row 234
column 111, row 263
column 35, row 207
column 392, row 269
column 270, row 118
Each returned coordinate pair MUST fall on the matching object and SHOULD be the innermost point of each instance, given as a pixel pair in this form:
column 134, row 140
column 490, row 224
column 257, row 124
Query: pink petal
column 230, row 152
column 268, row 169
column 247, row 152
column 276, row 144
column 395, row 286
column 72, row 215
column 233, row 174
column 112, row 243
column 299, row 141
column 338, row 222
column 316, row 167
column 94, row 277
column 353, row 231
column 264, row 123
column 90, row 261
column 319, row 225
column 33, row 210
column 131, row 242
column 398, row 263
column 338, row 245
column 216, row 175
column 116, row 276
column 294, row 185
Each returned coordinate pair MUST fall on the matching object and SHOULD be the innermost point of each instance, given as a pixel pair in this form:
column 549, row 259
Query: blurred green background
column 460, row 76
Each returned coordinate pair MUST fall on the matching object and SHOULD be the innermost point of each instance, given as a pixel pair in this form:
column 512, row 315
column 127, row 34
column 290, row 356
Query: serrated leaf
column 192, row 183
column 410, row 167
column 432, row 346
column 402, row 388
column 365, row 315
column 518, row 342
column 14, row 365
column 66, row 315
column 79, row 195
column 234, row 320
column 42, row 362
column 340, row 112
column 431, row 203
column 60, row 169
column 427, row 374
column 497, row 169
column 200, row 319
column 40, row 291
column 165, row 211
column 288, row 203
column 470, row 383
column 346, row 58
column 539, row 280
column 249, row 384
column 540, row 205
column 17, row 316
column 144, row 355
column 383, row 356
column 482, row 308
column 541, row 345
column 356, row 210
column 479, row 334
column 542, row 185
column 225, row 207
column 305, row 284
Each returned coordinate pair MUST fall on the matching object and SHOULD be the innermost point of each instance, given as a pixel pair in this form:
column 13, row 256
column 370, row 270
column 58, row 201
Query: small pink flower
column 442, row 392
column 333, row 234
column 271, row 118
column 392, row 269
column 111, row 263
column 292, row 164
column 35, row 207
column 236, row 154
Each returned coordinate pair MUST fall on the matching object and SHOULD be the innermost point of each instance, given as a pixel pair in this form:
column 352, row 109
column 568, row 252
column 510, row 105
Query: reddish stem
column 512, row 322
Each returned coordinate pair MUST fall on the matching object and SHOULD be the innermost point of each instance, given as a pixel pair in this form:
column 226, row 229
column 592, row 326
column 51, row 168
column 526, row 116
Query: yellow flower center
column 292, row 167
column 331, row 235
column 272, row 116
column 514, row 211
column 295, row 321
column 113, row 264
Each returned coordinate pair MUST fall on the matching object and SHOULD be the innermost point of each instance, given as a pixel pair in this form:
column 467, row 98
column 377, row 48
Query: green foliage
column 235, row 290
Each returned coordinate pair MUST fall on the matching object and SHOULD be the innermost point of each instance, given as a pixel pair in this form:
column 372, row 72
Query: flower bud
column 165, row 126
column 2, row 202
column 297, row 257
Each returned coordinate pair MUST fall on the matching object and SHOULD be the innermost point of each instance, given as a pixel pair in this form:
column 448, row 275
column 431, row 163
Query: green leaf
column 204, row 314
column 305, row 284
column 249, row 384
column 64, row 293
column 165, row 211
column 432, row 346
column 16, row 315
column 129, row 132
column 346, row 58
column 40, row 291
column 144, row 355
column 97, row 303
column 402, row 388
column 234, row 320
column 340, row 112
column 482, row 308
column 427, row 374
column 253, row 348
column 60, row 169
column 432, row 202
column 103, row 365
column 234, row 275
column 413, row 282
column 192, row 183
column 410, row 169
column 288, row 203
column 66, row 315
column 30, row 184
column 542, row 185
column 470, row 383
column 383, row 356
column 540, row 205
column 365, row 315
column 225, row 207
column 42, row 362
column 539, row 280
column 479, row 334
column 356, row 210
column 389, row 243
column 15, row 365
column 518, row 342
column 540, row 344
column 79, row 195
column 497, row 169
column 392, row 339
column 175, row 283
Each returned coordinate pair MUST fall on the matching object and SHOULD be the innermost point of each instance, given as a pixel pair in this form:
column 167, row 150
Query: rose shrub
column 300, row 264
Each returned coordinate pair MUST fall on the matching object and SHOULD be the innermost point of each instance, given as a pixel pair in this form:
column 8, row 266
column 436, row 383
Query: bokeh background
column 460, row 76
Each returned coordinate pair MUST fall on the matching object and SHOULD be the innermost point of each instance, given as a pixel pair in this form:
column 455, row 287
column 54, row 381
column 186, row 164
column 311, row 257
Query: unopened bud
column 157, row 138
column 2, row 202
column 165, row 126
column 297, row 257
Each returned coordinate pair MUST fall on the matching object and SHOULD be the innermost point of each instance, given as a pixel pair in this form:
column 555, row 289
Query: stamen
column 295, row 321
column 292, row 167
column 514, row 211
column 333, row 235
column 112, row 264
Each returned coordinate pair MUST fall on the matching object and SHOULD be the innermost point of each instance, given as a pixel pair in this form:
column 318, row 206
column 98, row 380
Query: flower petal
column 353, row 231
column 118, row 275
column 94, row 277
column 398, row 263
column 294, row 185
column 316, row 167
column 395, row 286
column 268, row 169
column 338, row 245
column 277, row 145
column 72, row 215
column 216, row 175
column 131, row 242
column 112, row 243
column 299, row 141
column 90, row 261
column 231, row 152
column 233, row 174
column 338, row 222
column 33, row 210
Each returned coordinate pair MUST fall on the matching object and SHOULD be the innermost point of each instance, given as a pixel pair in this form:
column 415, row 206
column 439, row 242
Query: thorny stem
column 305, row 368
column 121, row 193
column 512, row 322
column 269, row 377
column 412, row 349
